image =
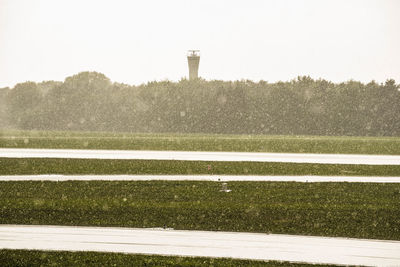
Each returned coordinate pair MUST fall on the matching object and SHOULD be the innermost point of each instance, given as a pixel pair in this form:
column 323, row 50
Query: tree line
column 89, row 101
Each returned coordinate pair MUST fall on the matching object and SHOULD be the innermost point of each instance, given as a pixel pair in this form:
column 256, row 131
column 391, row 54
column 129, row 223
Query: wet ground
column 201, row 156
column 215, row 178
column 254, row 246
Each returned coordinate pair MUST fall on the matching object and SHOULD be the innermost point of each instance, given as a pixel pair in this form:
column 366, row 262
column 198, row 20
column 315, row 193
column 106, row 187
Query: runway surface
column 215, row 178
column 201, row 156
column 202, row 243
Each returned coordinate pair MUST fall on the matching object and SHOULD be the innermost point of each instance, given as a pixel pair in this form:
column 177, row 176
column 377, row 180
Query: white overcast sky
column 139, row 41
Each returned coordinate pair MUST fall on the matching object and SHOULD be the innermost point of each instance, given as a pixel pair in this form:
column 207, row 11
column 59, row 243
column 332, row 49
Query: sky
column 135, row 42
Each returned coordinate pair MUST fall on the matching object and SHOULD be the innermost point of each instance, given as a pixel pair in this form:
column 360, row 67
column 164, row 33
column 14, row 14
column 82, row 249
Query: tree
column 24, row 103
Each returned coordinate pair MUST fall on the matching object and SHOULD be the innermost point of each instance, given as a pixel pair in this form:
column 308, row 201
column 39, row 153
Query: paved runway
column 201, row 243
column 215, row 178
column 201, row 156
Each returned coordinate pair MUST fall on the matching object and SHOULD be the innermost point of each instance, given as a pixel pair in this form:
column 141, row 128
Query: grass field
column 25, row 258
column 197, row 142
column 10, row 166
column 322, row 209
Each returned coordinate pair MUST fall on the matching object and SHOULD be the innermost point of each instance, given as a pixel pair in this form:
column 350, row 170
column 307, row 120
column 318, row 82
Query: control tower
column 193, row 57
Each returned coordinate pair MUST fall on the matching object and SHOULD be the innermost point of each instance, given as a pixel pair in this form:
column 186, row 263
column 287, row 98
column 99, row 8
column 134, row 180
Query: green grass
column 25, row 258
column 197, row 142
column 11, row 166
column 322, row 209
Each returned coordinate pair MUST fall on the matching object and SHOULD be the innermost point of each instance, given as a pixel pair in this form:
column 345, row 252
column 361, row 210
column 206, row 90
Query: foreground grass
column 198, row 142
column 11, row 166
column 322, row 209
column 22, row 258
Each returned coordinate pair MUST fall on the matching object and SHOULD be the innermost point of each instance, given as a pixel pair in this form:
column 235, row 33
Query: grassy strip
column 27, row 258
column 10, row 166
column 322, row 209
column 196, row 142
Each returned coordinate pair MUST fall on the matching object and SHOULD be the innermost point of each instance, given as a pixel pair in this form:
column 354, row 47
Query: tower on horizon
column 193, row 57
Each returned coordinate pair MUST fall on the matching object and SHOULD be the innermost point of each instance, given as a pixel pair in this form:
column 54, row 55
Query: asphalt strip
column 157, row 241
column 201, row 156
column 214, row 178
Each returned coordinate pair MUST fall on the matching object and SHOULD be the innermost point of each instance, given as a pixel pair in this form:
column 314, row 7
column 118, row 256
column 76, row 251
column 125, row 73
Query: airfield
column 312, row 249
column 202, row 156
column 317, row 208
column 213, row 178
